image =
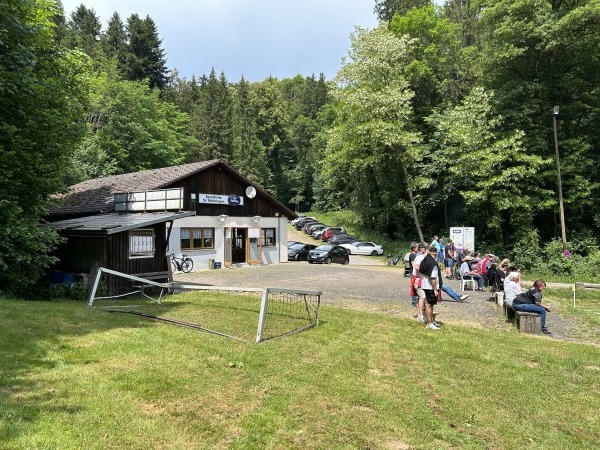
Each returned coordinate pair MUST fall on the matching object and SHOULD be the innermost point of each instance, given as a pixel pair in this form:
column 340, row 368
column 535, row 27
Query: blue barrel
column 56, row 277
column 68, row 277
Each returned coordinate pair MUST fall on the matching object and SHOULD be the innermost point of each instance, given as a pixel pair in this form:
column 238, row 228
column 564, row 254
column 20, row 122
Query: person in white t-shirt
column 430, row 283
column 512, row 287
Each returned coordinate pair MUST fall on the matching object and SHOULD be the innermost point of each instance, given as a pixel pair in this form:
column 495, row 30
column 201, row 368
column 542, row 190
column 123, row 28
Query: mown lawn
column 75, row 378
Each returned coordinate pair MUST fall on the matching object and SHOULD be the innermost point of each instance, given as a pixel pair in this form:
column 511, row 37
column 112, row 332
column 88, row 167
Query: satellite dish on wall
column 250, row 192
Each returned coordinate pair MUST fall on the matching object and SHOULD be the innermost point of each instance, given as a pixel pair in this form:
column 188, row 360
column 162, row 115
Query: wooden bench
column 526, row 322
column 499, row 298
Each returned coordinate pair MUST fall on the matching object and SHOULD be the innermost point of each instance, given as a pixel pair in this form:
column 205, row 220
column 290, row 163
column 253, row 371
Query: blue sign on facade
column 234, row 200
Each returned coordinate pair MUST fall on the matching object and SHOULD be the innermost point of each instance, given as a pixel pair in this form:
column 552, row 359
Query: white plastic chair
column 464, row 282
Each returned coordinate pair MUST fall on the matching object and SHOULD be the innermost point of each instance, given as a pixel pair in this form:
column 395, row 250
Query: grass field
column 233, row 314
column 76, row 378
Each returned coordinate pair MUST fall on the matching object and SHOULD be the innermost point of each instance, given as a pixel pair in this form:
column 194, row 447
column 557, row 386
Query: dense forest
column 441, row 116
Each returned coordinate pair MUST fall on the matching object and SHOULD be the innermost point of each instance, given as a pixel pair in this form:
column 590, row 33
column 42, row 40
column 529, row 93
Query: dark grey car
column 328, row 254
column 299, row 251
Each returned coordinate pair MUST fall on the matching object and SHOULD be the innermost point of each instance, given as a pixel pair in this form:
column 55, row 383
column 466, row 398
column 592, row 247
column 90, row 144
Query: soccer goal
column 587, row 297
column 246, row 314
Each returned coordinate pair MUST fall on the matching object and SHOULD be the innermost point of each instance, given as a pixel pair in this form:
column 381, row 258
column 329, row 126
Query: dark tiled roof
column 97, row 195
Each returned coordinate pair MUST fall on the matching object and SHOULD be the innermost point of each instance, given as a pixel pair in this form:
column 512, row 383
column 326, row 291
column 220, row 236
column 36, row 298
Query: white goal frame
column 307, row 297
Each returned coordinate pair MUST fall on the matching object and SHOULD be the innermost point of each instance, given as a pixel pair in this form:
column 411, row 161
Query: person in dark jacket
column 531, row 301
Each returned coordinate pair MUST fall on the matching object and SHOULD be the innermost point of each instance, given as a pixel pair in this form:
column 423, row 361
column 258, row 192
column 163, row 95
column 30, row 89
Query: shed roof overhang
column 107, row 224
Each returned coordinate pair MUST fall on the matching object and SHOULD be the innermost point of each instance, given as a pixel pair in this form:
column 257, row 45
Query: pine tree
column 248, row 151
column 83, row 30
column 145, row 57
column 212, row 119
column 386, row 9
column 114, row 42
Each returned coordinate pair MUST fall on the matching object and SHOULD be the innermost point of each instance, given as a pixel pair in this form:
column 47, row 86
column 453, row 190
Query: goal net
column 586, row 296
column 247, row 314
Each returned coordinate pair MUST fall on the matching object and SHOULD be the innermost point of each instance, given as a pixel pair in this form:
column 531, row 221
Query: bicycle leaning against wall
column 183, row 264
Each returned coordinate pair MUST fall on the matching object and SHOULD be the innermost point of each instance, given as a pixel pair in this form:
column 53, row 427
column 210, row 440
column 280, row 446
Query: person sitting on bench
column 469, row 274
column 512, row 287
column 531, row 301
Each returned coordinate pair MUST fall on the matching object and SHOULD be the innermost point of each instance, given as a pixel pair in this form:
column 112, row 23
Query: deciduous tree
column 42, row 93
column 374, row 145
column 495, row 175
column 539, row 54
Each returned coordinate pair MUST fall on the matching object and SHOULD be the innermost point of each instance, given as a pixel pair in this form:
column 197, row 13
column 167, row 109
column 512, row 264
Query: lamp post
column 560, row 196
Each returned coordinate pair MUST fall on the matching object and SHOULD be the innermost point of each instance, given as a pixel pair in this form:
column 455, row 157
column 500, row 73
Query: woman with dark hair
column 531, row 301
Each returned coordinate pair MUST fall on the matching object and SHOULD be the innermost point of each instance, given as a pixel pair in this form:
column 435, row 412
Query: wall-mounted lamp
column 222, row 218
column 256, row 219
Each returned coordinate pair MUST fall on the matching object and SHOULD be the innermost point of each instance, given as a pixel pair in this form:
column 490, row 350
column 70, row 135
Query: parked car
column 315, row 231
column 363, row 248
column 328, row 254
column 317, row 234
column 330, row 231
column 298, row 225
column 290, row 243
column 310, row 226
column 299, row 251
column 341, row 238
column 297, row 219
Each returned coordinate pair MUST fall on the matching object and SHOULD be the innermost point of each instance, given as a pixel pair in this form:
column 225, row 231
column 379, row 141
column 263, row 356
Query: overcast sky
column 256, row 39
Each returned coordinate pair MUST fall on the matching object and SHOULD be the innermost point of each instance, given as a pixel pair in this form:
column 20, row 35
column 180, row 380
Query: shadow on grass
column 33, row 342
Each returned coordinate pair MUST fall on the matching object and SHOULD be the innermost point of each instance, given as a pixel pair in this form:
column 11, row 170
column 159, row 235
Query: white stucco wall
column 201, row 258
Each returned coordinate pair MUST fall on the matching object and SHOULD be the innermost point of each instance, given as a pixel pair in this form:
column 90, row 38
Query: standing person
column 449, row 258
column 436, row 243
column 531, row 301
column 417, row 284
column 411, row 259
column 430, row 280
column 441, row 252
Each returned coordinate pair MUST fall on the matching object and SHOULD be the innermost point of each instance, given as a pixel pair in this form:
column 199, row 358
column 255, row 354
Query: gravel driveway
column 367, row 284
column 370, row 286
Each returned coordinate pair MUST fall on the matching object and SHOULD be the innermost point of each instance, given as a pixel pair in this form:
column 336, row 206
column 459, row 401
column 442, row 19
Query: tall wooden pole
column 560, row 196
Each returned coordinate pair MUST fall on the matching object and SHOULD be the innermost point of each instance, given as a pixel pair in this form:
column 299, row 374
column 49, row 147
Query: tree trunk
column 412, row 202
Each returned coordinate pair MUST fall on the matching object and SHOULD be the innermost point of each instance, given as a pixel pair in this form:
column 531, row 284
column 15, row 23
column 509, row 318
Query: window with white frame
column 197, row 238
column 141, row 243
column 268, row 237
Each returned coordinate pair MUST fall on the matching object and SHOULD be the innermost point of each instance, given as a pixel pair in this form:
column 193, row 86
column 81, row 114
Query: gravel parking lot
column 376, row 288
column 367, row 284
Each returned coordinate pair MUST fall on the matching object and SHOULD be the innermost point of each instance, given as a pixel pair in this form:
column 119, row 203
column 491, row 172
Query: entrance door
column 254, row 256
column 238, row 246
column 235, row 246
